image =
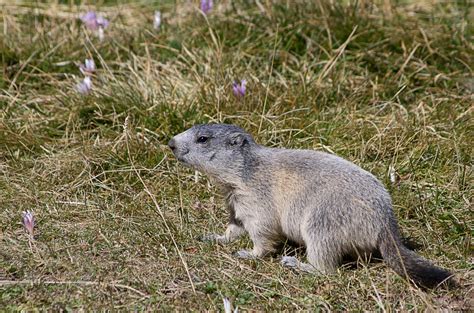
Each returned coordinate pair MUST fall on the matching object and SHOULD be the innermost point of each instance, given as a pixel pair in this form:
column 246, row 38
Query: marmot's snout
column 179, row 150
column 172, row 144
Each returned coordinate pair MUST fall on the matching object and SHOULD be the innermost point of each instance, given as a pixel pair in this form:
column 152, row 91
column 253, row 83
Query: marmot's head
column 220, row 150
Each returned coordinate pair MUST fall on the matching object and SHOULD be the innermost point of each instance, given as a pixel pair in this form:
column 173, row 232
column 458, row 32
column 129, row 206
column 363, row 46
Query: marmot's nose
column 172, row 144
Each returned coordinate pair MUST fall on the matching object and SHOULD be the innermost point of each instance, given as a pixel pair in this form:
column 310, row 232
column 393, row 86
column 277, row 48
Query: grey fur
column 319, row 200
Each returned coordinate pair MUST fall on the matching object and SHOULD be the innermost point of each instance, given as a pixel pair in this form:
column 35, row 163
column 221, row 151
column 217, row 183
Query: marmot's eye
column 202, row 139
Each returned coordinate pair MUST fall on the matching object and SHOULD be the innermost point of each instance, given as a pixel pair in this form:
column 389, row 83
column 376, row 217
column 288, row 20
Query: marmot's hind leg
column 320, row 257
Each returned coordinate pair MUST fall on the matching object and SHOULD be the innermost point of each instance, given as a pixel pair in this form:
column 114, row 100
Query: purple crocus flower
column 228, row 306
column 239, row 88
column 392, row 174
column 85, row 86
column 157, row 20
column 88, row 67
column 206, row 6
column 94, row 21
column 28, row 221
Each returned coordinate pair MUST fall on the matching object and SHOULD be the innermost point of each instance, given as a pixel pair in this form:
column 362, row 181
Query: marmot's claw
column 289, row 261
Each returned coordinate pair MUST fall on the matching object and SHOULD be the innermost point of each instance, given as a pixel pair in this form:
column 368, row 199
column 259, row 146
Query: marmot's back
column 323, row 171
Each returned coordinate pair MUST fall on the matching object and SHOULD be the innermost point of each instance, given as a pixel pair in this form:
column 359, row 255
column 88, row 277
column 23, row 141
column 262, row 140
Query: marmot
column 318, row 200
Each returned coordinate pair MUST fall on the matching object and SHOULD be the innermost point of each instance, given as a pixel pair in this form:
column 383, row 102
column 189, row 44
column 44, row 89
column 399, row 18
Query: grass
column 381, row 84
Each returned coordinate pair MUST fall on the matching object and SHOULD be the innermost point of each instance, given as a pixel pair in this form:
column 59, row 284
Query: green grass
column 118, row 217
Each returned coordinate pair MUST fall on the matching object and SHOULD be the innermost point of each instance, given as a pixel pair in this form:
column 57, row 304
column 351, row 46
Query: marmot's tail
column 407, row 263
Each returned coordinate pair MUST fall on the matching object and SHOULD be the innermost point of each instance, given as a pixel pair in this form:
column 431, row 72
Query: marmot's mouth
column 180, row 155
column 182, row 160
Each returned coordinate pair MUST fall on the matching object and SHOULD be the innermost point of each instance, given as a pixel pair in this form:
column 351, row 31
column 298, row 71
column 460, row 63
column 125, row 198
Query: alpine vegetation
column 28, row 221
column 85, row 86
column 95, row 22
column 239, row 88
column 115, row 219
column 88, row 67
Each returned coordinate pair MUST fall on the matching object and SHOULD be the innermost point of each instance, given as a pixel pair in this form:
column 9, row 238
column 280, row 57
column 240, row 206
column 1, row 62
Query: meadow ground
column 387, row 86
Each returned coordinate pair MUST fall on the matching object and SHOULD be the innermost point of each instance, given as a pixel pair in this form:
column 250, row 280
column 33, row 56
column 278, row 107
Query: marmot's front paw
column 210, row 238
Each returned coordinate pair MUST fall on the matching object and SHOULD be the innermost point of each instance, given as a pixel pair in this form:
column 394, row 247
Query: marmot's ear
column 237, row 139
